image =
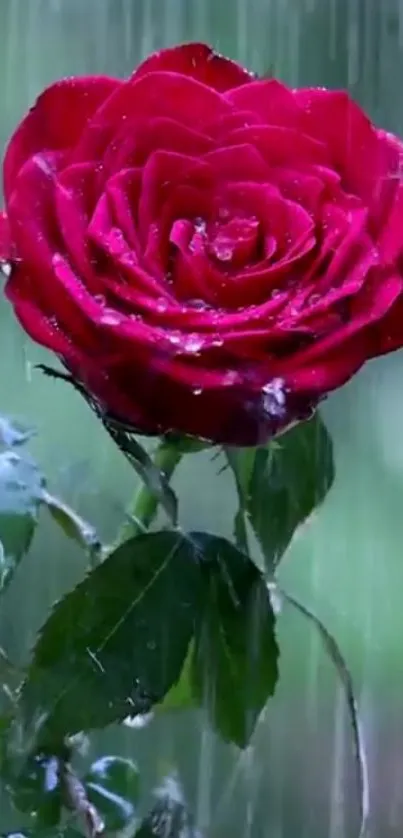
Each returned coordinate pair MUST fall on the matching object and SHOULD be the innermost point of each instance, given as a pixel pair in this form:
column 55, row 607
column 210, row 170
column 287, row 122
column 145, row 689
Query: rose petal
column 162, row 172
column 220, row 128
column 75, row 200
column 123, row 191
column 199, row 61
column 155, row 95
column 237, row 162
column 34, row 321
column 334, row 118
column 56, row 121
column 38, row 241
column 390, row 239
column 136, row 142
column 32, row 218
column 122, row 258
column 330, row 362
column 271, row 100
column 280, row 145
column 6, row 247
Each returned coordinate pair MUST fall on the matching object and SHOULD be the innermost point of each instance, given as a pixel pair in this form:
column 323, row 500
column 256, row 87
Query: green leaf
column 14, row 433
column 112, row 786
column 180, row 696
column 241, row 461
column 116, row 644
column 288, row 479
column 21, row 486
column 37, row 791
column 72, row 524
column 235, row 657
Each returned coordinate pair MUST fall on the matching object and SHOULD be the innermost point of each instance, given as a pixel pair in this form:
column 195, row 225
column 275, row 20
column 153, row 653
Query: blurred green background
column 296, row 780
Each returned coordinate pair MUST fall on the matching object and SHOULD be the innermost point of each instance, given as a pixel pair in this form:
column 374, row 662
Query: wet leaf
column 72, row 524
column 241, row 461
column 112, row 786
column 14, row 433
column 289, row 478
column 235, row 657
column 37, row 791
column 116, row 644
column 21, row 486
column 180, row 696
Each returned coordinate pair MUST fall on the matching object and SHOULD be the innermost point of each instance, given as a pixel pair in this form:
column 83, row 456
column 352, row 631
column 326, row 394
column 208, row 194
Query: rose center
column 235, row 242
column 229, row 242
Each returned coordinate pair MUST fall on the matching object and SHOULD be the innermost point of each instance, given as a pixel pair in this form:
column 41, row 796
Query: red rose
column 207, row 252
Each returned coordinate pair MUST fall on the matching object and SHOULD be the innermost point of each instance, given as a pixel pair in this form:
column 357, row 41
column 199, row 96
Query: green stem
column 145, row 505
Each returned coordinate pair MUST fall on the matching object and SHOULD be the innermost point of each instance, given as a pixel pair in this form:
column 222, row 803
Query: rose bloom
column 207, row 252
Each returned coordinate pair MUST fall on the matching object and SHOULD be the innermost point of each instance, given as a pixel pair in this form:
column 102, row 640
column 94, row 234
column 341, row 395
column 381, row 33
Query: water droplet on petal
column 230, row 378
column 193, row 343
column 110, row 318
column 5, row 269
column 198, row 391
column 161, row 305
column 200, row 226
column 274, row 397
column 222, row 249
column 198, row 304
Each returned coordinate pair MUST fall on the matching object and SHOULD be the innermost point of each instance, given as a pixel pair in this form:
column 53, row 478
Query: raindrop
column 222, row 249
column 274, row 397
column 230, row 378
column 193, row 343
column 5, row 269
column 161, row 305
column 198, row 391
column 198, row 304
column 175, row 338
column 110, row 318
column 200, row 226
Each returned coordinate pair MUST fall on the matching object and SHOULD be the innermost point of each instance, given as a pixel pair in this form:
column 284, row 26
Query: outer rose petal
column 357, row 153
column 5, row 239
column 331, row 362
column 56, row 121
column 272, row 101
column 154, row 95
column 199, row 61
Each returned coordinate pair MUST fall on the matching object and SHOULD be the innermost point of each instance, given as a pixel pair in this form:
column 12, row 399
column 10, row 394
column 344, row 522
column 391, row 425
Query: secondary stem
column 145, row 505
